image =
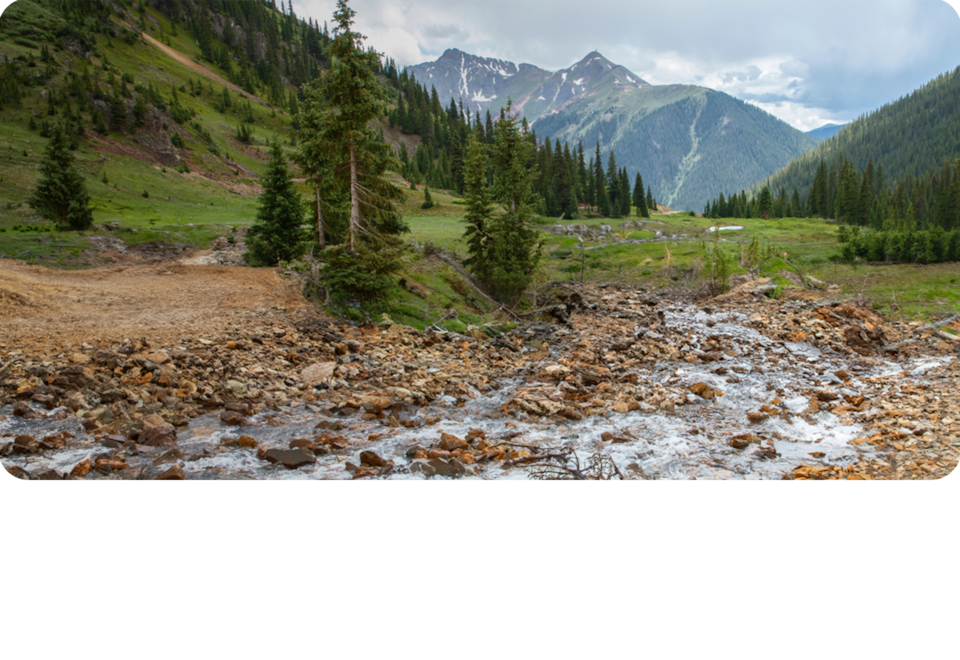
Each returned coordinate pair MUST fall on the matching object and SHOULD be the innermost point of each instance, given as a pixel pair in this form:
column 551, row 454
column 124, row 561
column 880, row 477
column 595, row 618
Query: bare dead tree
column 565, row 466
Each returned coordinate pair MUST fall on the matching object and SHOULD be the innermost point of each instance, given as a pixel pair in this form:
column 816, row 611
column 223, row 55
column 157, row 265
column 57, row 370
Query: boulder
column 17, row 471
column 23, row 409
column 373, row 459
column 81, row 468
column 175, row 473
column 704, row 391
column 451, row 442
column 448, row 467
column 231, row 418
column 157, row 432
column 318, row 374
column 290, row 458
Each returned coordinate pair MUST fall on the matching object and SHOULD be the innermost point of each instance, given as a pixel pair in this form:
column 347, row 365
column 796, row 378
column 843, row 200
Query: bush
column 365, row 274
column 145, row 194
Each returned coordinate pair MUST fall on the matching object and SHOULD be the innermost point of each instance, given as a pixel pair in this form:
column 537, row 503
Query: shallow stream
column 691, row 441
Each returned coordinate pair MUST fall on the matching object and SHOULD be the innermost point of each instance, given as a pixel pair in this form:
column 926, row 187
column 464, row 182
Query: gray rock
column 291, row 458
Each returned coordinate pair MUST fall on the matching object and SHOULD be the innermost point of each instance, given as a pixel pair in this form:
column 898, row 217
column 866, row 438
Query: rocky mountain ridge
column 687, row 142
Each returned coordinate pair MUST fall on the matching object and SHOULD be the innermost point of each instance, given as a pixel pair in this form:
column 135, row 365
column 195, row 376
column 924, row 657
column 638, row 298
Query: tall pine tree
column 61, row 193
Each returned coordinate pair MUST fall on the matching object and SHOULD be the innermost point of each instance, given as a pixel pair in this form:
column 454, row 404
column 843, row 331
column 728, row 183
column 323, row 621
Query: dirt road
column 198, row 68
column 52, row 310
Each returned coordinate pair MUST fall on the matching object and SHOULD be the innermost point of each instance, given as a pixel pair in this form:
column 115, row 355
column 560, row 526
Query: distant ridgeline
column 895, row 170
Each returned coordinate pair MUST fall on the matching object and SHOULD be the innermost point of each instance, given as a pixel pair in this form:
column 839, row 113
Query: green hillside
column 170, row 133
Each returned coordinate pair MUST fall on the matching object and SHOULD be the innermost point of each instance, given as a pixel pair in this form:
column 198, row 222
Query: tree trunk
column 320, row 238
column 354, row 197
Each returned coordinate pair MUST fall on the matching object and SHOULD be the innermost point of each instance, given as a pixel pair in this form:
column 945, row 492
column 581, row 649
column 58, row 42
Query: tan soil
column 45, row 311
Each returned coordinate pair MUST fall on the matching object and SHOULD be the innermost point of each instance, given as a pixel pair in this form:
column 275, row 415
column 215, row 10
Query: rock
column 111, row 442
column 109, row 465
column 158, row 357
column 81, row 468
column 46, row 400
column 25, row 444
column 451, row 442
column 303, row 443
column 475, row 434
column 48, row 474
column 571, row 413
column 17, row 472
column 236, row 388
column 23, row 409
column 413, row 451
column 375, row 404
column 757, row 417
column 422, row 467
column 704, row 391
column 826, row 395
column 231, row 418
column 80, row 358
column 175, row 473
column 318, row 374
column 744, row 440
column 818, row 454
column 365, row 471
column 171, row 456
column 373, row 459
column 157, row 432
column 448, row 467
column 291, row 458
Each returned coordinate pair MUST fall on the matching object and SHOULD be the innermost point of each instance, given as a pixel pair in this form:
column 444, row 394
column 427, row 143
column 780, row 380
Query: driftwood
column 9, row 364
column 533, row 458
column 453, row 263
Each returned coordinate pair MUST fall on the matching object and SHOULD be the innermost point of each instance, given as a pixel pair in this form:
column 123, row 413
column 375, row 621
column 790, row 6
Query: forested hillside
column 909, row 137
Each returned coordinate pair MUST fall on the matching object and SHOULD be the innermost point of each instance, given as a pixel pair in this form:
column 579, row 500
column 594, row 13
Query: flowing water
column 691, row 441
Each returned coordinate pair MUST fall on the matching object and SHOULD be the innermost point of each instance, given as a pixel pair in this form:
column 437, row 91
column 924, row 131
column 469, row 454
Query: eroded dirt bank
column 210, row 372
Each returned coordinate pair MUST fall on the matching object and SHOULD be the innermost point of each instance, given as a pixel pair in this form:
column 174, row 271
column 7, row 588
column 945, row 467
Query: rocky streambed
column 625, row 384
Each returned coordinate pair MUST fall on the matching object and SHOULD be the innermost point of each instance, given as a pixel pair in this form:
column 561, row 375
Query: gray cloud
column 446, row 32
column 839, row 58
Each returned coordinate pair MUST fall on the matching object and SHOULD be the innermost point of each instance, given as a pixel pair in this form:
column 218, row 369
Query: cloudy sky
column 809, row 62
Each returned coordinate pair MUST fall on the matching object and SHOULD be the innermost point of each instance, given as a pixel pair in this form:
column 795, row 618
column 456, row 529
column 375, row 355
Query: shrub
column 364, row 274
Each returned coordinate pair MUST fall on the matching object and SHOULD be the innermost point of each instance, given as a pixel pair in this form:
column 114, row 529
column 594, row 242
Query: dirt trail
column 199, row 68
column 49, row 310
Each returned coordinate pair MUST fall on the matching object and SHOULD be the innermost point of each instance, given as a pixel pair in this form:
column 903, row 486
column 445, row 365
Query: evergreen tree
column 337, row 141
column 515, row 245
column 765, row 203
column 278, row 233
column 479, row 215
column 427, row 199
column 639, row 200
column 61, row 193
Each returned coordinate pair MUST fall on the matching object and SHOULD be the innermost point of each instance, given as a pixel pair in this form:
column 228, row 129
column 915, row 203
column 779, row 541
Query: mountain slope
column 826, row 131
column 687, row 142
column 908, row 137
